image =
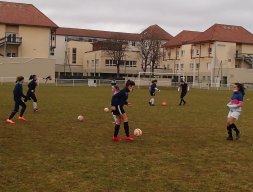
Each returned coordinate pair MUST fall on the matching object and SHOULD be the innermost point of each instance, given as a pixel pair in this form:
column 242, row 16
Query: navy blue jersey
column 32, row 86
column 120, row 98
column 237, row 96
column 184, row 87
column 152, row 88
column 18, row 91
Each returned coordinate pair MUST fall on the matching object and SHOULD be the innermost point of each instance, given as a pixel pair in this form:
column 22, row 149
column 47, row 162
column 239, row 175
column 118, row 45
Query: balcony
column 11, row 40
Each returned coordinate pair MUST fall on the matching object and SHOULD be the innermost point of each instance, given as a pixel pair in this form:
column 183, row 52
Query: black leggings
column 31, row 95
column 16, row 108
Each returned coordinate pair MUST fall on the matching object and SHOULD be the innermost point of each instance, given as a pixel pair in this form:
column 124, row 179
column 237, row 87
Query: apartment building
column 221, row 54
column 77, row 54
column 27, row 41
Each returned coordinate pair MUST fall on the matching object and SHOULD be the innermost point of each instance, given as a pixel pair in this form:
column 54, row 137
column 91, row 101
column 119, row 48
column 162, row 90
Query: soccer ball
column 137, row 132
column 106, row 110
column 80, row 118
column 164, row 103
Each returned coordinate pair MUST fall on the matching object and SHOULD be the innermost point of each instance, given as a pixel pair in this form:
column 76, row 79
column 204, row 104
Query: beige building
column 221, row 54
column 26, row 36
column 75, row 55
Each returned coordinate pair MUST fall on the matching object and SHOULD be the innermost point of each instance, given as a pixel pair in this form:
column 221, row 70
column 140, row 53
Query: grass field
column 182, row 148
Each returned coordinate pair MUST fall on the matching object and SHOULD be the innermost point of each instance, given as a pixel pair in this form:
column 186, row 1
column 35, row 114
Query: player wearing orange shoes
column 18, row 95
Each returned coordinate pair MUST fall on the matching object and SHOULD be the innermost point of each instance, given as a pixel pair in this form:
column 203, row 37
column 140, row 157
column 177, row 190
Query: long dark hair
column 19, row 78
column 32, row 77
column 241, row 88
column 130, row 83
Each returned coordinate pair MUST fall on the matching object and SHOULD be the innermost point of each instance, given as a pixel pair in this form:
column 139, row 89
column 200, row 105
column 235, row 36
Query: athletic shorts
column 152, row 94
column 119, row 110
column 234, row 114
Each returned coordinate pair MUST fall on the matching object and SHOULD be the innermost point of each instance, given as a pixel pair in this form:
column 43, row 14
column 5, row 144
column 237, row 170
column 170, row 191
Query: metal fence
column 107, row 82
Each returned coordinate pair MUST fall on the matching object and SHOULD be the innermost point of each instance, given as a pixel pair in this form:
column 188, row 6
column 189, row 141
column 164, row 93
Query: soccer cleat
column 129, row 138
column 21, row 118
column 115, row 139
column 35, row 110
column 238, row 135
column 10, row 121
column 149, row 103
column 229, row 138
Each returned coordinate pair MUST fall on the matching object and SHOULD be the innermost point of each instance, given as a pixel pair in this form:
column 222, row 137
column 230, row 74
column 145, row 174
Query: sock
column 229, row 128
column 234, row 127
column 116, row 130
column 126, row 127
column 12, row 115
column 152, row 101
column 35, row 105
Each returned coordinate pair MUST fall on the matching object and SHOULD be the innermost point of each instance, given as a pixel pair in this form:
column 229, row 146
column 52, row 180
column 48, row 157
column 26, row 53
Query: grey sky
column 136, row 15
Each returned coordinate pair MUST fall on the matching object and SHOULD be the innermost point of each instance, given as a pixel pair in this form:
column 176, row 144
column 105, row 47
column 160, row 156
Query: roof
column 225, row 33
column 23, row 14
column 158, row 32
column 183, row 37
column 97, row 34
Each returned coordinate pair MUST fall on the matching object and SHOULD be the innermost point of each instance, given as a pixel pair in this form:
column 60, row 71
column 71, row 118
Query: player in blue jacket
column 18, row 95
column 31, row 92
column 235, row 107
column 118, row 101
column 152, row 89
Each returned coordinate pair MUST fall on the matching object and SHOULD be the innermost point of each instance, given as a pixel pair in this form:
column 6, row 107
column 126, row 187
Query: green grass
column 181, row 149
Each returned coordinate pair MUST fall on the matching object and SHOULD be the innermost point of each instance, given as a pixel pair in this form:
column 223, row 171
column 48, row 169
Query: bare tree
column 116, row 50
column 150, row 51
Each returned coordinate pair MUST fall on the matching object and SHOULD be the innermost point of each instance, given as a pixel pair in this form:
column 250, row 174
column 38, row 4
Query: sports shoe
column 21, row 118
column 115, row 139
column 149, row 103
column 35, row 110
column 238, row 135
column 10, row 121
column 129, row 138
column 229, row 138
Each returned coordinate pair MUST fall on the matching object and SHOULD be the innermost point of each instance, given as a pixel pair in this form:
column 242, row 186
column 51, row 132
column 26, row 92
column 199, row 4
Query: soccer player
column 117, row 103
column 115, row 90
column 31, row 92
column 152, row 90
column 235, row 108
column 18, row 95
column 183, row 87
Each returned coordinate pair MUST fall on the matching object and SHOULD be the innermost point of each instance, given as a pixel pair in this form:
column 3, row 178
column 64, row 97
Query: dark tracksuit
column 118, row 101
column 31, row 91
column 18, row 95
column 184, row 90
column 152, row 89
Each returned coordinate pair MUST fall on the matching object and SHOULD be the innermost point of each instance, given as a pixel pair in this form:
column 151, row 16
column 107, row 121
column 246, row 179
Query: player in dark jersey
column 31, row 92
column 183, row 87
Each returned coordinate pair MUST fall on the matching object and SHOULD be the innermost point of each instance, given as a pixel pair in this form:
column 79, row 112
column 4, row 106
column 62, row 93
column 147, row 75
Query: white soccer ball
column 106, row 110
column 137, row 132
column 80, row 118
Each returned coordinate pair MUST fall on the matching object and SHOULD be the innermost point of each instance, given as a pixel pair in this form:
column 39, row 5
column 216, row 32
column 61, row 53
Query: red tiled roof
column 225, row 33
column 23, row 14
column 97, row 34
column 183, row 37
column 158, row 32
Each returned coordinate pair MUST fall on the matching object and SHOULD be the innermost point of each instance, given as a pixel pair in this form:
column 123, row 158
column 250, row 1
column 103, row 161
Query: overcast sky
column 136, row 15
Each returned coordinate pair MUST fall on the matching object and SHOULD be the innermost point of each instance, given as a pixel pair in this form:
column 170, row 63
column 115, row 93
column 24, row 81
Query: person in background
column 183, row 87
column 31, row 92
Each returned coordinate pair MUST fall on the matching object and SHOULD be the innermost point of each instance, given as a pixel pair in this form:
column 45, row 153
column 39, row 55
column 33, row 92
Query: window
column 204, row 78
column 177, row 53
column 133, row 43
column 208, row 78
column 197, row 52
column 209, row 66
column 182, row 67
column 182, row 53
column 11, row 54
column 177, row 66
column 97, row 61
column 191, row 66
column 197, row 66
column 169, row 54
column 74, row 55
column 210, row 50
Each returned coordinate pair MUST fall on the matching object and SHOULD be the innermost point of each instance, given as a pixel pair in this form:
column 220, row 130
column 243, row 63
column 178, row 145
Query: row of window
column 193, row 52
column 181, row 66
column 110, row 62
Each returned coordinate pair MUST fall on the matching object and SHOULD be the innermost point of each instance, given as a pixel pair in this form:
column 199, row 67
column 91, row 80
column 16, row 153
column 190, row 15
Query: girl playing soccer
column 31, row 92
column 115, row 90
column 18, row 95
column 235, row 108
column 117, row 103
column 152, row 90
column 184, row 89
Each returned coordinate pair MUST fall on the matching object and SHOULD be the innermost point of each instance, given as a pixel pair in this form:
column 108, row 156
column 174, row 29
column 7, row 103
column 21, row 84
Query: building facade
column 26, row 36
